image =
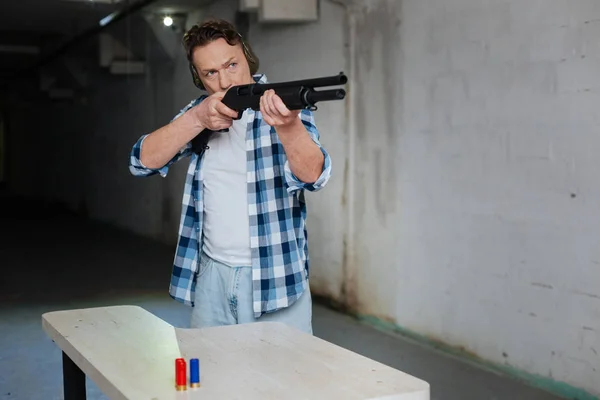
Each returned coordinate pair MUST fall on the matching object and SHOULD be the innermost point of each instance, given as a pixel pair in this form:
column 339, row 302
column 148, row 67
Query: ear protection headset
column 250, row 57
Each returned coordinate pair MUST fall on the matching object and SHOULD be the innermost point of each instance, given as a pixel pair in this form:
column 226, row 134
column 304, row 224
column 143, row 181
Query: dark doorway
column 3, row 149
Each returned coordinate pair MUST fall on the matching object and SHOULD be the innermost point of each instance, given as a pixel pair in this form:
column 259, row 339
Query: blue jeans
column 223, row 296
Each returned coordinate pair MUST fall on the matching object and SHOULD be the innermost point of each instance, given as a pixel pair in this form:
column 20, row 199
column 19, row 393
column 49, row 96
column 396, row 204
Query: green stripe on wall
column 558, row 388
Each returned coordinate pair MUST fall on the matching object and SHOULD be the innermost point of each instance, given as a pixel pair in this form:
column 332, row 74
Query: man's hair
column 209, row 31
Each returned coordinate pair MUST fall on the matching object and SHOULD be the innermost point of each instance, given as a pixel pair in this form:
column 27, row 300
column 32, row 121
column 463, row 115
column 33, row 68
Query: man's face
column 221, row 66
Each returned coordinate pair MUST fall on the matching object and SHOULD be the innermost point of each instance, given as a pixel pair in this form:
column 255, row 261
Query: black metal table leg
column 73, row 380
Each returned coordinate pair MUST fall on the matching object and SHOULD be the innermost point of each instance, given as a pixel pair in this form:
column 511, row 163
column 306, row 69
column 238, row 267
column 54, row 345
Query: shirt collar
column 260, row 78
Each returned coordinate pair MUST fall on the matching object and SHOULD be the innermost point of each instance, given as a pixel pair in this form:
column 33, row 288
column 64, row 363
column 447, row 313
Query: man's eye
column 233, row 65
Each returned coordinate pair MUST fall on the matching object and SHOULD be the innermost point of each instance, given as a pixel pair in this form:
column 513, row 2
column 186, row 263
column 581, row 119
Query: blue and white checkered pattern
column 277, row 210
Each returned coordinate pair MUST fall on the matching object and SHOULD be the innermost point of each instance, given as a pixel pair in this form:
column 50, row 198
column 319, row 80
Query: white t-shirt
column 226, row 227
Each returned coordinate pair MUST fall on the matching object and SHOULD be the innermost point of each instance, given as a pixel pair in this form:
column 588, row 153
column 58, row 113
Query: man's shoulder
column 194, row 102
column 190, row 105
column 260, row 78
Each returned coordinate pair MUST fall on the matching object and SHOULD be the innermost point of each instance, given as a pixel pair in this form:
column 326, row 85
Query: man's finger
column 223, row 109
column 223, row 120
column 266, row 105
column 262, row 105
column 225, row 126
column 219, row 95
column 280, row 106
column 276, row 105
column 270, row 105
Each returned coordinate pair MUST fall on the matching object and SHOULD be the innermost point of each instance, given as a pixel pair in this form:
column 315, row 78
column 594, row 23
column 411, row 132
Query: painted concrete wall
column 476, row 191
column 464, row 196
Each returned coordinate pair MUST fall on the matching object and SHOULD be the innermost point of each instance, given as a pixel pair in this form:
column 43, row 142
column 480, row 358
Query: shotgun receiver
column 296, row 95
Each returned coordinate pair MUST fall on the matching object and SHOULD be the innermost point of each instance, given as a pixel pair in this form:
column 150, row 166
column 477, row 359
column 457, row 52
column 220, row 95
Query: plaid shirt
column 278, row 235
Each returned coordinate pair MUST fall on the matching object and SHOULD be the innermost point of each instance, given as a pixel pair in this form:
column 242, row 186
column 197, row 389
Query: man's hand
column 213, row 114
column 275, row 112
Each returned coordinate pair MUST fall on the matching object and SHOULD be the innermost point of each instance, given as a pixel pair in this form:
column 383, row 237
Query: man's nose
column 224, row 81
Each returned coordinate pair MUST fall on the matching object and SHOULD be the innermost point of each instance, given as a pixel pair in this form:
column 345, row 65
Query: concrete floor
column 52, row 261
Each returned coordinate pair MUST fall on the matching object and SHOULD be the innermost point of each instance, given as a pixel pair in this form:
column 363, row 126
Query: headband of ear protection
column 252, row 61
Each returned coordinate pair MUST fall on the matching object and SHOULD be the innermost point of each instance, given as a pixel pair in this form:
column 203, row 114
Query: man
column 242, row 253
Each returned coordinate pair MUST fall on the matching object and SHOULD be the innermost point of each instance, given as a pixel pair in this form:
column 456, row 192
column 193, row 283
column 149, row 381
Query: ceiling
column 72, row 16
column 32, row 29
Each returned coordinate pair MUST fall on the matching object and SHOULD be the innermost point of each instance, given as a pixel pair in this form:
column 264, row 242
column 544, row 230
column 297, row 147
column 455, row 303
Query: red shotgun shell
column 180, row 374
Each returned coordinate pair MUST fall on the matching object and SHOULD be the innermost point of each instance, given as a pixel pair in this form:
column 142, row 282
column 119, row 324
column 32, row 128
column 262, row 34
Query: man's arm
column 309, row 165
column 155, row 152
column 164, row 143
column 304, row 155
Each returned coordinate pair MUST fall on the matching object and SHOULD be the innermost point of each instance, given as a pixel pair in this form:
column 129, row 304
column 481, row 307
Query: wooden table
column 130, row 354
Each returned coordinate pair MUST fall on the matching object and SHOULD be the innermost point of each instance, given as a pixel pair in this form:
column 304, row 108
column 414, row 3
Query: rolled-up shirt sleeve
column 293, row 183
column 137, row 168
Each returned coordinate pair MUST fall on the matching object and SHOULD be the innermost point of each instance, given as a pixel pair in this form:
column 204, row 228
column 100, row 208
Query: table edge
column 422, row 387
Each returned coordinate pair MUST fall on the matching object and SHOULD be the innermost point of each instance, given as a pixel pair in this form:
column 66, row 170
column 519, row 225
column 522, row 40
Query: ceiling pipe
column 17, row 49
column 104, row 23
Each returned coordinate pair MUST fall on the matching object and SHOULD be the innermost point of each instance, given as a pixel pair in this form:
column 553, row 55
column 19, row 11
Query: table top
column 130, row 353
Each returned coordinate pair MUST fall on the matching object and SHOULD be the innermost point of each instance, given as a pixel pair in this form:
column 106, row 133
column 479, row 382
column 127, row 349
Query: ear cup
column 252, row 60
column 246, row 51
column 195, row 77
